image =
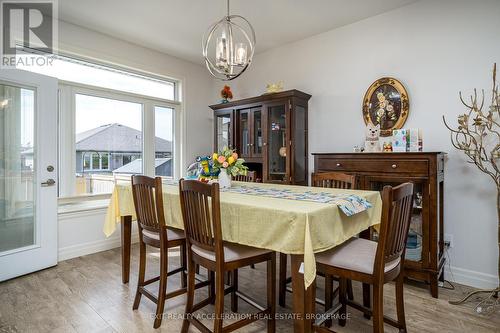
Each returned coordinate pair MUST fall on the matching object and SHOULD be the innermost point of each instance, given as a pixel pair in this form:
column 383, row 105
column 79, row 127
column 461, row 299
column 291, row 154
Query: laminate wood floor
column 85, row 294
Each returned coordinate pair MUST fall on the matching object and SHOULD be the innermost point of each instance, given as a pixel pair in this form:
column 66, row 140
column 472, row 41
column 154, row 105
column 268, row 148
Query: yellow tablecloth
column 282, row 225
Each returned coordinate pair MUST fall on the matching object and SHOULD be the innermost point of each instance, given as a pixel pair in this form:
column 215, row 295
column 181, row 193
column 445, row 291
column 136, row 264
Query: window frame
column 67, row 146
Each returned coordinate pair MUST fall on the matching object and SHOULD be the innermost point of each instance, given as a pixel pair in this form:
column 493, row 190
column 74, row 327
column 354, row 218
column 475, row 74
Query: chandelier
column 234, row 46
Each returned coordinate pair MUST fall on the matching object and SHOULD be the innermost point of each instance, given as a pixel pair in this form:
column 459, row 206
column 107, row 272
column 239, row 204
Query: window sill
column 83, row 203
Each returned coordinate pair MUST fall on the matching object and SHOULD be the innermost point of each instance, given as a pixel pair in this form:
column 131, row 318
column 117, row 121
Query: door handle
column 49, row 182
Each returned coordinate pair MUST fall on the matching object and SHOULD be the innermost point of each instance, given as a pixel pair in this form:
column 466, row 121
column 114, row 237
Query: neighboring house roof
column 116, row 138
column 136, row 165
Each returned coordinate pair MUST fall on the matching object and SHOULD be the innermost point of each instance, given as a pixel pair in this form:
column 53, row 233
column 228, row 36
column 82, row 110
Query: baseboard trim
column 87, row 248
column 471, row 278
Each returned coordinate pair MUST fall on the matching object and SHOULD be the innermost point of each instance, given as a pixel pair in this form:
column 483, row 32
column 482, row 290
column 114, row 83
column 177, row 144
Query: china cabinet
column 269, row 132
column 425, row 247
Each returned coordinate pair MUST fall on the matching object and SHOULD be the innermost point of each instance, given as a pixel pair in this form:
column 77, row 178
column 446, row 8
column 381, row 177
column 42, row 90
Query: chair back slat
column 200, row 206
column 148, row 202
column 250, row 177
column 333, row 180
column 396, row 217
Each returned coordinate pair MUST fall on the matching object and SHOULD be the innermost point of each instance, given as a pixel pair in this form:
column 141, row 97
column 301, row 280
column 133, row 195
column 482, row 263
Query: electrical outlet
column 448, row 240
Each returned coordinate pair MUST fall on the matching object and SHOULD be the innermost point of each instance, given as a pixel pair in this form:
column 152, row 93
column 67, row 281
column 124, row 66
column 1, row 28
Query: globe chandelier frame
column 232, row 57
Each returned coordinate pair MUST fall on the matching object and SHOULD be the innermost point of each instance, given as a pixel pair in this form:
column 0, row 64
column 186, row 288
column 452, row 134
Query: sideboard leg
column 434, row 286
column 126, row 235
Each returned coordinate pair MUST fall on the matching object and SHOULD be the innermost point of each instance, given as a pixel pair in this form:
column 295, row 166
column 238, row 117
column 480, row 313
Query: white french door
column 28, row 172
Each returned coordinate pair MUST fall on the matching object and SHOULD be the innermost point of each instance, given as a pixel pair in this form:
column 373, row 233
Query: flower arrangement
column 228, row 161
column 226, row 94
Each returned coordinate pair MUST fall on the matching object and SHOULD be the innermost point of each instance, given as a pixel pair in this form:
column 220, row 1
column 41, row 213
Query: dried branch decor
column 478, row 136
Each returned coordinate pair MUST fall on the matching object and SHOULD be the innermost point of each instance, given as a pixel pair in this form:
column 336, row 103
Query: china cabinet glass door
column 245, row 140
column 277, row 151
column 257, row 143
column 223, row 128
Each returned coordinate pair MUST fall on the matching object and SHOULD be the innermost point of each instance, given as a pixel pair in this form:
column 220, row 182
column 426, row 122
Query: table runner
column 282, row 225
column 350, row 204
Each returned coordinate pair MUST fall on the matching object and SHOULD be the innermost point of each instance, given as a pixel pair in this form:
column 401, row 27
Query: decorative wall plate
column 386, row 103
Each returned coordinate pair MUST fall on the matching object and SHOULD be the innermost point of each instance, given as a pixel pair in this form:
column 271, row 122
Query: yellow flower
column 231, row 160
column 214, row 157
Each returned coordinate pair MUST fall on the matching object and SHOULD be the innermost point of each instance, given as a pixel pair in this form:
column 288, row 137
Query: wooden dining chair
column 148, row 201
column 200, row 206
column 376, row 264
column 250, row 177
column 327, row 180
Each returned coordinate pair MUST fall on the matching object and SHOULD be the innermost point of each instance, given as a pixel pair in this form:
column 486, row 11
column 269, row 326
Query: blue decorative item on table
column 206, row 170
column 203, row 169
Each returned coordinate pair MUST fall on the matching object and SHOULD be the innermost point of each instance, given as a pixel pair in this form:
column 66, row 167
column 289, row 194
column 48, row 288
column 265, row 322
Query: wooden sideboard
column 269, row 132
column 426, row 171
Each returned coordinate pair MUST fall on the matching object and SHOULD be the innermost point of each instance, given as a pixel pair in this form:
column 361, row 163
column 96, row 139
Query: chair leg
column 328, row 296
column 350, row 293
column 162, row 292
column 252, row 266
column 190, row 297
column 366, row 299
column 211, row 288
column 282, row 279
column 271, row 294
column 234, row 296
column 343, row 301
column 219, row 301
column 184, row 266
column 142, row 272
column 400, row 302
column 378, row 308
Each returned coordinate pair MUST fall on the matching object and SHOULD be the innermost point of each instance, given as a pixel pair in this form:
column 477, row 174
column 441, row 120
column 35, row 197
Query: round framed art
column 386, row 103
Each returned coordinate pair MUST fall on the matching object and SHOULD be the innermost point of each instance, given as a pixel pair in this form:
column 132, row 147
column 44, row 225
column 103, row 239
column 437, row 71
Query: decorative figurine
column 206, row 171
column 372, row 140
column 274, row 87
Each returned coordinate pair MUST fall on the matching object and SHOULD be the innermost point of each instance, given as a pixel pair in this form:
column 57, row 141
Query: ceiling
column 176, row 27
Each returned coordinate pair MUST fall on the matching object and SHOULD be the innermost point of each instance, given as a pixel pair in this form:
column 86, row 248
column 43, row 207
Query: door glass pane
column 164, row 136
column 257, row 132
column 223, row 131
column 17, row 167
column 245, row 134
column 277, row 143
column 108, row 142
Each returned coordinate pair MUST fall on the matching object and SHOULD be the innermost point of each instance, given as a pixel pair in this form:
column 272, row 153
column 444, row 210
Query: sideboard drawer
column 415, row 167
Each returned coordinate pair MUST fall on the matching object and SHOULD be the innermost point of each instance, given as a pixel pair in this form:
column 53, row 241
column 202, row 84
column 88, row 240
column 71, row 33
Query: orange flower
column 226, row 93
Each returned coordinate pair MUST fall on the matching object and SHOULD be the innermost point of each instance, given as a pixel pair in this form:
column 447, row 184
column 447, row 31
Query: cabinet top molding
column 262, row 98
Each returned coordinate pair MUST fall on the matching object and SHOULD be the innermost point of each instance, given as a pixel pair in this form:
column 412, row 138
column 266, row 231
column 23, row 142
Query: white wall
column 436, row 48
column 196, row 82
column 80, row 233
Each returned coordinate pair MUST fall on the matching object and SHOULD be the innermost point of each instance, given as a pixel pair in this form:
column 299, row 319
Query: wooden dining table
column 295, row 220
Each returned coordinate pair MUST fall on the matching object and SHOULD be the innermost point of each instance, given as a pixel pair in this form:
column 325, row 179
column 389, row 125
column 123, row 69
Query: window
column 106, row 130
column 113, row 123
column 73, row 70
column 93, row 161
column 164, row 131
